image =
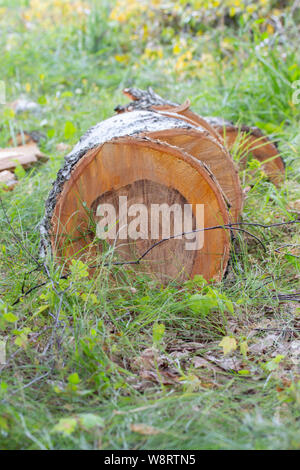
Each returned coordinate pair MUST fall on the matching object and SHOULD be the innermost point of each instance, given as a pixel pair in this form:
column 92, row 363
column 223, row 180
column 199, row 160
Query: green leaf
column 3, row 423
column 244, row 372
column 79, row 269
column 20, row 172
column 228, row 344
column 65, row 426
column 89, row 420
column 10, row 317
column 67, row 94
column 3, row 387
column 70, row 130
column 8, row 113
column 228, row 306
column 273, row 364
column 50, row 133
column 293, row 260
column 74, row 379
column 158, row 332
column 21, row 340
column 42, row 100
column 244, row 348
column 41, row 309
column 203, row 303
column 197, row 281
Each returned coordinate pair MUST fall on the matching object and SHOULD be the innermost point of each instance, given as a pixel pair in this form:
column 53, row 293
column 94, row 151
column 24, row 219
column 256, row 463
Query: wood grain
column 150, row 172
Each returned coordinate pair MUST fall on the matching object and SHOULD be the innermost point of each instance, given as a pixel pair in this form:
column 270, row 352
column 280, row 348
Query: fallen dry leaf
column 179, row 345
column 295, row 348
column 148, row 359
column 165, row 377
column 227, row 363
column 153, row 366
column 144, row 429
column 295, row 205
column 263, row 344
column 201, row 362
column 228, row 344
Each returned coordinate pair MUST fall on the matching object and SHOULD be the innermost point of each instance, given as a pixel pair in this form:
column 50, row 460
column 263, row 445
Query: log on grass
column 244, row 140
column 203, row 142
column 117, row 158
column 201, row 145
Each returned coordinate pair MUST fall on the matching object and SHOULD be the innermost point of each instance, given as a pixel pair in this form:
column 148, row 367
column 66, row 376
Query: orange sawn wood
column 148, row 172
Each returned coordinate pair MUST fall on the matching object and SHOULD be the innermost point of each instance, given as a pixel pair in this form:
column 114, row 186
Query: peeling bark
column 258, row 143
column 147, row 99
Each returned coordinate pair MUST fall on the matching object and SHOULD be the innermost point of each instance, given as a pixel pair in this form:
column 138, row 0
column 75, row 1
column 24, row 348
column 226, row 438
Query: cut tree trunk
column 116, row 158
column 245, row 140
column 205, row 143
column 199, row 143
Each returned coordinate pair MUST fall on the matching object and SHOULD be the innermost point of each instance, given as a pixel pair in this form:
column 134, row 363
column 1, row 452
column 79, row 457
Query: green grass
column 105, row 324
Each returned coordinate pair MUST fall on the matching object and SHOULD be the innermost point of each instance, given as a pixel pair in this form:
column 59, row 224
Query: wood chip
column 8, row 179
column 25, row 155
column 144, row 429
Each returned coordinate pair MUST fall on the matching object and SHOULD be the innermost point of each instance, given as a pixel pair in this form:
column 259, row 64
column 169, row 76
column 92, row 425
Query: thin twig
column 231, row 226
column 36, row 379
